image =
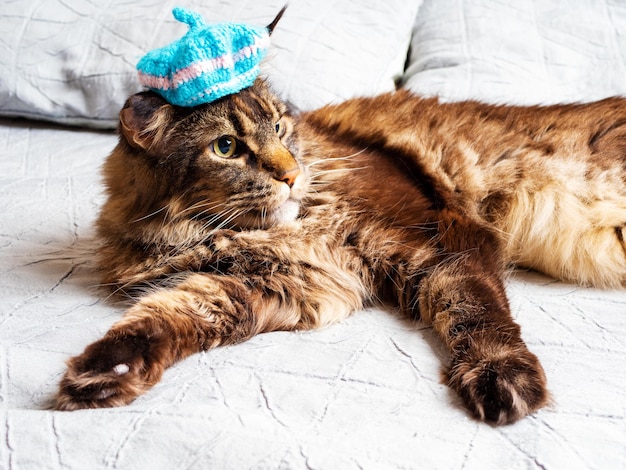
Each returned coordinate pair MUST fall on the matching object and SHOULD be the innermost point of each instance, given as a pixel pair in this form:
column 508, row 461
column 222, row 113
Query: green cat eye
column 225, row 146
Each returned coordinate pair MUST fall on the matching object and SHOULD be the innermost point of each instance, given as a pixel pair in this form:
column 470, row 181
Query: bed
column 365, row 393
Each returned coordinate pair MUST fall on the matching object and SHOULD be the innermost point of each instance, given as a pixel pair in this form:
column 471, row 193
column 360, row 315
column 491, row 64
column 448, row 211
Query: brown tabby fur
column 388, row 199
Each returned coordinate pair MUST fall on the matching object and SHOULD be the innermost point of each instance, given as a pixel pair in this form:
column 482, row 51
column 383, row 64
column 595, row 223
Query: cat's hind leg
column 597, row 257
column 568, row 237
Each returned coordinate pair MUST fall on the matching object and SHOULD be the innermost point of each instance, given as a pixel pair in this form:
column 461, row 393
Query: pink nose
column 289, row 177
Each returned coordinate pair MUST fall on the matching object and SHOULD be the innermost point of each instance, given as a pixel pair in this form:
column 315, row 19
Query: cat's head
column 231, row 163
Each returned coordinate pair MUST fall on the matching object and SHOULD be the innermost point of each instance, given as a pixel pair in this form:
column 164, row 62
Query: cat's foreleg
column 200, row 312
column 464, row 299
column 491, row 368
column 167, row 325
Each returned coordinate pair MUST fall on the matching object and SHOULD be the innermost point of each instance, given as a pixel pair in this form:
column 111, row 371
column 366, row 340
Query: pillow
column 530, row 52
column 74, row 61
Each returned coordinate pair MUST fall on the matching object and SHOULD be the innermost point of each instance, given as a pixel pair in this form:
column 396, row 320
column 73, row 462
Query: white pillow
column 74, row 61
column 531, row 51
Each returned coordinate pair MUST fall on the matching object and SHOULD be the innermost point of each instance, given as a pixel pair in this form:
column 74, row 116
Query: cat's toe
column 121, row 369
column 111, row 372
column 80, row 394
column 503, row 389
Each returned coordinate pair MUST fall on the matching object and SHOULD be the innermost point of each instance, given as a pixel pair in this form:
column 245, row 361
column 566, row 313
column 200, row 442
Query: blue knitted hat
column 208, row 63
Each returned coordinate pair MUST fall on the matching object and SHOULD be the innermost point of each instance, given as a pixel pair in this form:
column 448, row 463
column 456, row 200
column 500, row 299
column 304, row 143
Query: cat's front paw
column 110, row 372
column 500, row 389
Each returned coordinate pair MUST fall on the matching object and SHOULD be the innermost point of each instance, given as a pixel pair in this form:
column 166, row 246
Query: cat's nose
column 289, row 176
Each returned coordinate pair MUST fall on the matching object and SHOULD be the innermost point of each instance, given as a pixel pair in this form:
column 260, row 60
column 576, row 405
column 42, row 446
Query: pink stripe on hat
column 196, row 69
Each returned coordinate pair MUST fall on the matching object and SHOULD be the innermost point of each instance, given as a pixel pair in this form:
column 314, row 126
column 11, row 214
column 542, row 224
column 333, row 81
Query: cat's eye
column 280, row 128
column 225, row 147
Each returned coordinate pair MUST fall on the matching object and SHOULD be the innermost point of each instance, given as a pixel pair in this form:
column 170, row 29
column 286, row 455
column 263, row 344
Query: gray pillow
column 74, row 61
column 525, row 52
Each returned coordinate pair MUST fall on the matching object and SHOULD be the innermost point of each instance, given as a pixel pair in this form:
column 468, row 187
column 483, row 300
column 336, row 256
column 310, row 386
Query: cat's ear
column 272, row 25
column 144, row 120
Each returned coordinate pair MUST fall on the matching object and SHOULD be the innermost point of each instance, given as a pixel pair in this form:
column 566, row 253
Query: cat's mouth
column 283, row 208
column 289, row 209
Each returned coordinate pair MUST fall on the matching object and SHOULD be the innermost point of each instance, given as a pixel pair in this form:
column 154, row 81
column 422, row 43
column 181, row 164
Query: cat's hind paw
column 110, row 372
column 502, row 389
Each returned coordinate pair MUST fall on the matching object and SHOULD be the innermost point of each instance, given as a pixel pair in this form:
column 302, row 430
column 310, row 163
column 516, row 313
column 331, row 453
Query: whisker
column 147, row 216
column 236, row 213
column 347, row 157
column 206, row 205
column 337, row 170
column 224, row 215
column 206, row 212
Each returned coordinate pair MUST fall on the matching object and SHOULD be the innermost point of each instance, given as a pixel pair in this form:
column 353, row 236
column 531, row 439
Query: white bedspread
column 361, row 394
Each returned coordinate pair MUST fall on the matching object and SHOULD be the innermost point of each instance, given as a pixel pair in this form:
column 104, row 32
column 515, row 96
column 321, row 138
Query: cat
column 244, row 216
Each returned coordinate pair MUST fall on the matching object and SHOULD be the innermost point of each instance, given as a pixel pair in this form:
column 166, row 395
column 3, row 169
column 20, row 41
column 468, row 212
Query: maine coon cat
column 241, row 217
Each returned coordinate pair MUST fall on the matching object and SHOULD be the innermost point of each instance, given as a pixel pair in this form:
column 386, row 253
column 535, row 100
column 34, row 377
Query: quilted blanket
column 361, row 394
column 365, row 393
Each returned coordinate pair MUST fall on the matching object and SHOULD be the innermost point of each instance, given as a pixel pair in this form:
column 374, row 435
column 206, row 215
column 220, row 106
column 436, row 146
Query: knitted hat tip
column 209, row 62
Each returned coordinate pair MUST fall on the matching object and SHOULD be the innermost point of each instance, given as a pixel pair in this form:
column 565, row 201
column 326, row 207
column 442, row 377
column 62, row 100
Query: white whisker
column 337, row 170
column 331, row 159
column 147, row 216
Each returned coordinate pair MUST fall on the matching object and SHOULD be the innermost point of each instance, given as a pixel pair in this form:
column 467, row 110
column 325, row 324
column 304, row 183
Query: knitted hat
column 208, row 63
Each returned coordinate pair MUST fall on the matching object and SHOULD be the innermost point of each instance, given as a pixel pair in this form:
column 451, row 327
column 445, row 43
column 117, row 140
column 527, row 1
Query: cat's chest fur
column 357, row 185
